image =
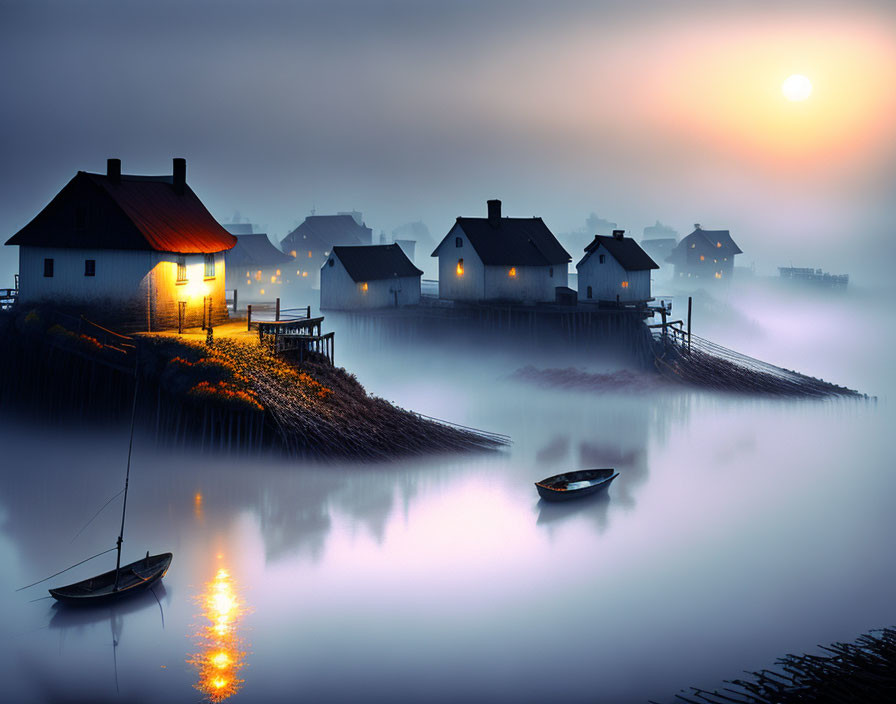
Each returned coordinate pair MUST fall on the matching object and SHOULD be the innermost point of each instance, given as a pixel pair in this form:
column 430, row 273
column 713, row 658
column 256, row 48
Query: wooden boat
column 132, row 579
column 573, row 485
column 122, row 581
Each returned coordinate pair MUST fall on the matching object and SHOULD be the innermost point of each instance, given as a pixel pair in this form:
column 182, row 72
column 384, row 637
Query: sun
column 796, row 88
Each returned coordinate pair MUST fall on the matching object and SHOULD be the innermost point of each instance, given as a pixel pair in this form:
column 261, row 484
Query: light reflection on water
column 221, row 656
column 737, row 530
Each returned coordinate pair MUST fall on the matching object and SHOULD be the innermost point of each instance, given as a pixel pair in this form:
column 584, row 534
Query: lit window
column 278, row 272
column 718, row 244
column 209, row 266
column 258, row 275
column 48, row 268
column 512, row 272
column 90, row 267
column 625, row 284
column 702, row 257
column 718, row 274
column 261, row 292
column 364, row 287
column 458, row 242
column 181, row 269
column 460, row 267
column 693, row 244
column 715, row 261
column 293, row 254
column 274, row 279
column 304, row 274
column 309, row 254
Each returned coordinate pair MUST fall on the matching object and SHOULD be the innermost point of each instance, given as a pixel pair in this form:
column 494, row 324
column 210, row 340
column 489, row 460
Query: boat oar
column 66, row 569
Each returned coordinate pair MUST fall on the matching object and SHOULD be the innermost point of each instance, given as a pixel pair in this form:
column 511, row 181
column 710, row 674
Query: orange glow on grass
column 221, row 657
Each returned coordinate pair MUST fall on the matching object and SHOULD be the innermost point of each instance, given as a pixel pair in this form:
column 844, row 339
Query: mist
column 409, row 111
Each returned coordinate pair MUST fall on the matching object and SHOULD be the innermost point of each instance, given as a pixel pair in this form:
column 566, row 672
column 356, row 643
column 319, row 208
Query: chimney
column 617, row 234
column 696, row 225
column 113, row 170
column 494, row 212
column 179, row 180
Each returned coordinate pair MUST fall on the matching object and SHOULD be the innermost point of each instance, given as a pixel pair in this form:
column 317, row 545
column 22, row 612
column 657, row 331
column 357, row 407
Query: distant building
column 614, row 268
column 814, row 277
column 705, row 255
column 408, row 247
column 312, row 241
column 498, row 258
column 371, row 276
column 256, row 268
column 137, row 250
column 659, row 241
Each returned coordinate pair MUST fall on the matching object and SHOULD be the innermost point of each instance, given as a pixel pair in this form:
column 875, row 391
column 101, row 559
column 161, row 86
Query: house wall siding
column 531, row 283
column 470, row 286
column 338, row 291
column 606, row 279
column 135, row 289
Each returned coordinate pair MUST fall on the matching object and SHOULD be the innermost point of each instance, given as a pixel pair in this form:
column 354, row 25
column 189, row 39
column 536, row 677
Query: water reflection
column 221, row 656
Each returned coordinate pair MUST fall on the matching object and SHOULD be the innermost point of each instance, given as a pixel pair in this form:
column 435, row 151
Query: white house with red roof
column 142, row 251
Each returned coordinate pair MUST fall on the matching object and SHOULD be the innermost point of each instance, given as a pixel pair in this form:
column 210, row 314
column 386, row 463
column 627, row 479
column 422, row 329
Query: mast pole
column 127, row 477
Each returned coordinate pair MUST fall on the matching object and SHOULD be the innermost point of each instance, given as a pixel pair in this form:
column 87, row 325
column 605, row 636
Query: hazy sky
column 405, row 110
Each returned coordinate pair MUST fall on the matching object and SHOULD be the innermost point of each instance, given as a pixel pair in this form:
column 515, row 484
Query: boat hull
column 134, row 578
column 554, row 488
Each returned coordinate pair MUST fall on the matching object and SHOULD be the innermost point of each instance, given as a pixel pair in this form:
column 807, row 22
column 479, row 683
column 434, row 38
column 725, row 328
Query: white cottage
column 615, row 269
column 373, row 276
column 497, row 258
column 140, row 251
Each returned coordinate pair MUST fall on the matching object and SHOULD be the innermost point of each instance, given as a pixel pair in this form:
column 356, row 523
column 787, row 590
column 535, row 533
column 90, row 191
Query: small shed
column 372, row 276
column 615, row 269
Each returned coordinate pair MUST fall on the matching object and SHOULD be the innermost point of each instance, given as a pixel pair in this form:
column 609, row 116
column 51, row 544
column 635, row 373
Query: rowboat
column 131, row 579
column 573, row 485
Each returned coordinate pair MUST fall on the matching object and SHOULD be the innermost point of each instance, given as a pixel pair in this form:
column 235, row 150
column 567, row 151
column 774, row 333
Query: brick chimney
column 494, row 212
column 617, row 234
column 113, row 170
column 696, row 225
column 179, row 180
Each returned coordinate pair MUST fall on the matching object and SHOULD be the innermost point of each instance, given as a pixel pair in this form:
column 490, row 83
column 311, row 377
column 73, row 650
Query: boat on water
column 121, row 582
column 574, row 485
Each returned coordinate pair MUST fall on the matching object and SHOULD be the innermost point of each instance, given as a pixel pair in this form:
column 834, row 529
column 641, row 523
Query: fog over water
column 738, row 530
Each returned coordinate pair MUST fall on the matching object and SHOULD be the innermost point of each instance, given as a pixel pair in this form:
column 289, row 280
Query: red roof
column 94, row 211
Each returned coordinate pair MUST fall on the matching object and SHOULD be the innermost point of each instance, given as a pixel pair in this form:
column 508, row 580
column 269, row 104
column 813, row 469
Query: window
column 512, row 272
column 551, row 272
column 589, row 292
column 309, row 254
column 48, row 268
column 90, row 267
column 460, row 267
column 458, row 242
column 209, row 266
column 719, row 245
column 602, row 258
column 364, row 287
column 625, row 284
column 329, row 263
column 181, row 270
column 702, row 257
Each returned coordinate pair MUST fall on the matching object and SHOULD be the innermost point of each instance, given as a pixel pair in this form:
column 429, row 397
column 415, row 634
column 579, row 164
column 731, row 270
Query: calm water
column 738, row 530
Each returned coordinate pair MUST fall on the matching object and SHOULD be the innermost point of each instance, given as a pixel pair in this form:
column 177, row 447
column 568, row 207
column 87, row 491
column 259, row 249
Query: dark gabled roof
column 512, row 242
column 325, row 231
column 133, row 212
column 375, row 262
column 624, row 250
column 255, row 250
column 709, row 238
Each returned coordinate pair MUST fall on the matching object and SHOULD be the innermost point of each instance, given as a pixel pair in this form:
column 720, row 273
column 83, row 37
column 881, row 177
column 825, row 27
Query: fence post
column 277, row 311
column 308, row 314
column 690, row 300
column 249, row 324
column 234, row 299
